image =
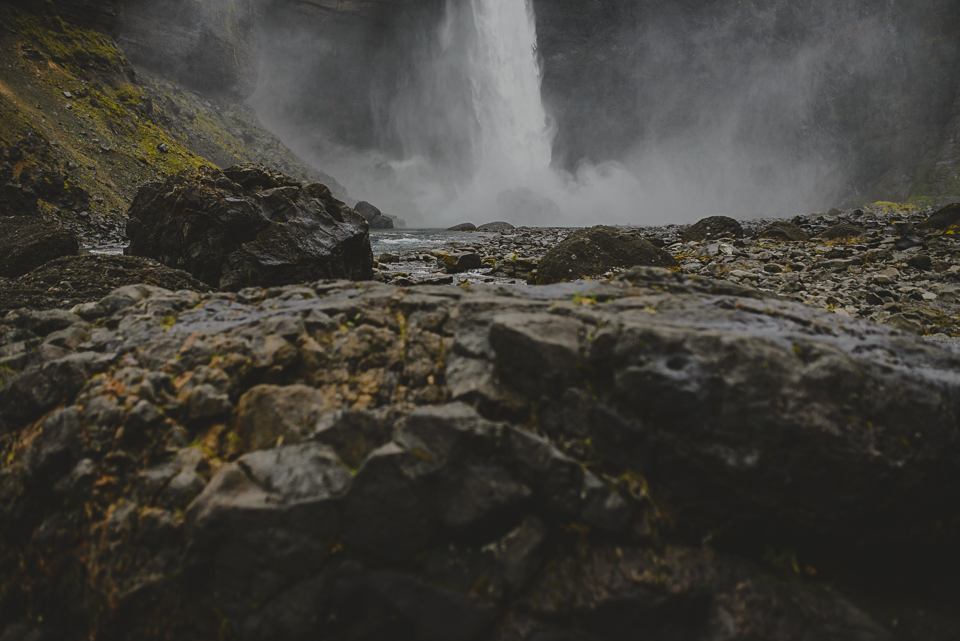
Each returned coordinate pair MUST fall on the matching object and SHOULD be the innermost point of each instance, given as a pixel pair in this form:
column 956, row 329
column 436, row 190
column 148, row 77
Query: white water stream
column 477, row 141
column 514, row 142
column 511, row 135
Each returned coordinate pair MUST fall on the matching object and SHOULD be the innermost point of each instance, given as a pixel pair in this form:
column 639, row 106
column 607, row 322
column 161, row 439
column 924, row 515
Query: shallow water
column 399, row 241
column 418, row 243
column 103, row 250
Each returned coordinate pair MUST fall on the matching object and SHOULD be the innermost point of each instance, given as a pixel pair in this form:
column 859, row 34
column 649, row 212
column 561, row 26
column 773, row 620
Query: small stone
column 206, row 403
column 162, row 148
column 920, row 261
column 459, row 263
column 387, row 257
column 903, row 323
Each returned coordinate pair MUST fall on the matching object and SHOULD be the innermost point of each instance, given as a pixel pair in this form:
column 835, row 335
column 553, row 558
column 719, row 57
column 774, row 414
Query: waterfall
column 477, row 142
column 512, row 139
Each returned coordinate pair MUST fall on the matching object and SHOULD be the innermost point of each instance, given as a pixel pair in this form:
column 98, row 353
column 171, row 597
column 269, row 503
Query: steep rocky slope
column 83, row 129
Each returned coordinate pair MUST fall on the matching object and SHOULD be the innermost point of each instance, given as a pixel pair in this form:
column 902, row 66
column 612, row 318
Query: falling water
column 477, row 142
column 504, row 74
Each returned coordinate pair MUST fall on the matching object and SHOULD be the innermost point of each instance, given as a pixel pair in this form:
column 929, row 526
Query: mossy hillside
column 75, row 48
column 105, row 128
column 936, row 185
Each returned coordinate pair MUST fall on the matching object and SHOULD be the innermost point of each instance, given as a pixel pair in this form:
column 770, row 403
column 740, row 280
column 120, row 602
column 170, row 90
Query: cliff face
column 207, row 46
column 870, row 86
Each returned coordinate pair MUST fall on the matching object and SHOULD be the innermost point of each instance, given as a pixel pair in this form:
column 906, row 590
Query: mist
column 642, row 113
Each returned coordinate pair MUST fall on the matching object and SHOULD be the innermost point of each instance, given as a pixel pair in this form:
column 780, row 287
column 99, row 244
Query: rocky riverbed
column 657, row 454
column 878, row 262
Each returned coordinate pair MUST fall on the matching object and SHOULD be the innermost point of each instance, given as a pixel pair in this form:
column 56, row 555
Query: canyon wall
column 857, row 98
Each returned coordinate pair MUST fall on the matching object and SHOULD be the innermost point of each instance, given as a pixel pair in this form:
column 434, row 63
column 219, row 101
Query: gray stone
column 268, row 414
column 264, row 521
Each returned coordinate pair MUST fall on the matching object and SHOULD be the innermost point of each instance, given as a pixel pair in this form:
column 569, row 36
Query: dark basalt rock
column 594, row 251
column 921, row 262
column 943, row 218
column 457, row 263
column 373, row 216
column 712, row 228
column 496, row 226
column 680, row 459
column 27, row 242
column 234, row 528
column 463, row 227
column 783, row 230
column 843, row 230
column 248, row 226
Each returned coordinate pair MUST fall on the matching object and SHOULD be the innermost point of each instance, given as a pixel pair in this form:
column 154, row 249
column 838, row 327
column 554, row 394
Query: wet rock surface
column 659, row 454
column 880, row 264
column 248, row 225
column 594, row 251
column 713, row 228
column 373, row 216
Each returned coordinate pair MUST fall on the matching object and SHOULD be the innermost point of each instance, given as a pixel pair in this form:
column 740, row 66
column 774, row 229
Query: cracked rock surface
column 655, row 456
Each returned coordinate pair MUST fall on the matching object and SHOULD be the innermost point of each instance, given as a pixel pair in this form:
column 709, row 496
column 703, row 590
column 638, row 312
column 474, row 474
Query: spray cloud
column 659, row 113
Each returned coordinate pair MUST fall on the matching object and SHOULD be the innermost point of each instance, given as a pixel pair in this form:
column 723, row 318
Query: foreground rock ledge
column 655, row 457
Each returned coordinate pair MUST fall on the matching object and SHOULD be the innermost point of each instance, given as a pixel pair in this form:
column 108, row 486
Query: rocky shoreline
column 890, row 269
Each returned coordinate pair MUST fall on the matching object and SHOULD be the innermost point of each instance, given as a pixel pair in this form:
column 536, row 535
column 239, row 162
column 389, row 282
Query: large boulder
column 711, row 228
column 842, row 231
column 594, row 251
column 497, row 226
column 374, row 216
column 783, row 231
column 943, row 218
column 248, row 226
column 27, row 242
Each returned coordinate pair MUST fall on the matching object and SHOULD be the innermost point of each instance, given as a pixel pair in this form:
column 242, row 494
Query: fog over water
column 742, row 113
